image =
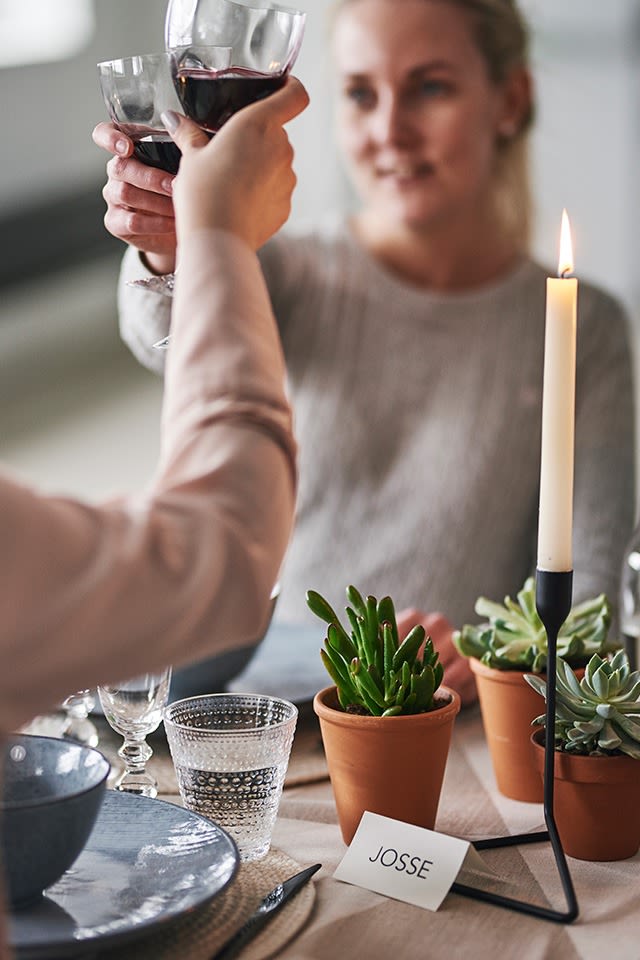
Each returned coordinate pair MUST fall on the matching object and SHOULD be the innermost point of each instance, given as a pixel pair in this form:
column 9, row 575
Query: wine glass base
column 162, row 284
column 140, row 784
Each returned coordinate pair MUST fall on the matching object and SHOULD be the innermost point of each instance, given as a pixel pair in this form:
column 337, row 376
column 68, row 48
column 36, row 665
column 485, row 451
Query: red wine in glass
column 153, row 147
column 158, row 152
column 211, row 97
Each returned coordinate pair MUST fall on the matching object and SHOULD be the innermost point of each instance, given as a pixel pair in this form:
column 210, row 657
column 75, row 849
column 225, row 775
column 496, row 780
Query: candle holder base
column 553, row 603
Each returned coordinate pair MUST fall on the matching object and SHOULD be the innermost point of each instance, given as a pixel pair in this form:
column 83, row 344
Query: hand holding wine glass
column 264, row 42
column 262, row 45
column 253, row 156
column 137, row 91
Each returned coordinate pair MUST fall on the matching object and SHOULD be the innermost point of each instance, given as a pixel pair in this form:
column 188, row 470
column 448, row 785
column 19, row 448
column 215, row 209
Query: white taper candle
column 555, row 521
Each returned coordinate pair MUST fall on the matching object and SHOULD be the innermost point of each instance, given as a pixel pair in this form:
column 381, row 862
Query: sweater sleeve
column 144, row 316
column 185, row 568
column 605, row 443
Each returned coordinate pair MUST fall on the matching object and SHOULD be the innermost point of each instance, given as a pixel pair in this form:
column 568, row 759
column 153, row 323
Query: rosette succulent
column 599, row 714
column 514, row 638
column 374, row 673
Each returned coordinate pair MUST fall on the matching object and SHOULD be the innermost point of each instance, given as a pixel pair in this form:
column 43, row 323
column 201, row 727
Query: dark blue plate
column 145, row 863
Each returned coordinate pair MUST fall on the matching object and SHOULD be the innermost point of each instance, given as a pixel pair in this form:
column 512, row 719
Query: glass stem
column 135, row 754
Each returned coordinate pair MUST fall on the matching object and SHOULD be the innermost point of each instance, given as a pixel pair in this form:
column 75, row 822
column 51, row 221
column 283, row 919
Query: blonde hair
column 502, row 37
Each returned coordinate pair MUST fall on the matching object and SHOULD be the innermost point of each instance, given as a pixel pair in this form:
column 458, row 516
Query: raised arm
column 186, row 567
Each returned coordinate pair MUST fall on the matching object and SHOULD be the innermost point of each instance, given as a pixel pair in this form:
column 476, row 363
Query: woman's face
column 418, row 116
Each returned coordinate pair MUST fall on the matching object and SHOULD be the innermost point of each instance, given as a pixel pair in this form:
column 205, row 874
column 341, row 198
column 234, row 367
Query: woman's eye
column 361, row 96
column 433, row 88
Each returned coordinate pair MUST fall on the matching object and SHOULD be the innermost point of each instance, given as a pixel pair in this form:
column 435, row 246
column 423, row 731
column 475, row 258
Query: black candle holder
column 553, row 603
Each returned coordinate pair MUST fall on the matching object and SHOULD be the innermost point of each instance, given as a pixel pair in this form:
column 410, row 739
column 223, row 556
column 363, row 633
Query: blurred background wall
column 76, row 413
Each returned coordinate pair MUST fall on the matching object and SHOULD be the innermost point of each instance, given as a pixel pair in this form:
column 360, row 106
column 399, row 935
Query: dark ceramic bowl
column 51, row 794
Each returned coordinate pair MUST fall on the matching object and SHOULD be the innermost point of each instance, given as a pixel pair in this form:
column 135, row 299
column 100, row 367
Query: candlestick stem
column 553, row 603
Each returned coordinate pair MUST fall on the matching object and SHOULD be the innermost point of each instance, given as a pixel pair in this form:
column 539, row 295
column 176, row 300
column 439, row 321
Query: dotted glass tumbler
column 230, row 752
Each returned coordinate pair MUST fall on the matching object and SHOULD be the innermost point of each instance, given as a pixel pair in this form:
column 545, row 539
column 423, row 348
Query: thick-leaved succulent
column 374, row 673
column 598, row 714
column 514, row 638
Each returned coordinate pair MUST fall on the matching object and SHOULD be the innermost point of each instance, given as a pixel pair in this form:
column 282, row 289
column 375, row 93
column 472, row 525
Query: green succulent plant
column 514, row 638
column 597, row 715
column 374, row 673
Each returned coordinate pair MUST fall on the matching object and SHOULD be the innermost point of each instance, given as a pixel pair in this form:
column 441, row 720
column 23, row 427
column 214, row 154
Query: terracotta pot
column 596, row 803
column 508, row 706
column 393, row 766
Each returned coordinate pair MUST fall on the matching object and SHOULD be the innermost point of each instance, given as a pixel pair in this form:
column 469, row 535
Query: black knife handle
column 281, row 894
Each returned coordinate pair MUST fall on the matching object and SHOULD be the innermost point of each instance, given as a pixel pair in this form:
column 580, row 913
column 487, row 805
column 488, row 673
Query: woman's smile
column 403, row 173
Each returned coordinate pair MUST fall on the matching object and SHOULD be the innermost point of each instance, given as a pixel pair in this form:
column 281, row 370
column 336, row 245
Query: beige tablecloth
column 350, row 923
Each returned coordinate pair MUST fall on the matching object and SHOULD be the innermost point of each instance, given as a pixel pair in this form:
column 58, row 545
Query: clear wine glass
column 134, row 709
column 77, row 724
column 263, row 43
column 136, row 91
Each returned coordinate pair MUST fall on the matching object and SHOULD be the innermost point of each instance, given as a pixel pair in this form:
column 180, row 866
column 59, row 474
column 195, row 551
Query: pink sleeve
column 185, row 568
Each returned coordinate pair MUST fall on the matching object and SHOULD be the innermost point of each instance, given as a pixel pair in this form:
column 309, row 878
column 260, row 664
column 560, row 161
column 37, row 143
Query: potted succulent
column 597, row 749
column 510, row 642
column 386, row 722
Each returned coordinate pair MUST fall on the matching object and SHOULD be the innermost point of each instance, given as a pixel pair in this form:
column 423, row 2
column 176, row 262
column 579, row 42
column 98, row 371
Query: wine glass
column 134, row 709
column 263, row 43
column 77, row 724
column 137, row 91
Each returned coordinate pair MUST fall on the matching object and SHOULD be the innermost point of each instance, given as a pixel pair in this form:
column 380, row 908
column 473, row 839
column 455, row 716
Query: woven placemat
column 203, row 932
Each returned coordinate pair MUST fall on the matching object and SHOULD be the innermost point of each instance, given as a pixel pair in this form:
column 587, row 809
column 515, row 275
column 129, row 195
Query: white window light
column 41, row 31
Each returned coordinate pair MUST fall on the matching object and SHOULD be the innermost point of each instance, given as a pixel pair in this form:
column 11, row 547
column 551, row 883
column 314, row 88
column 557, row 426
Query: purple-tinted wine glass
column 263, row 42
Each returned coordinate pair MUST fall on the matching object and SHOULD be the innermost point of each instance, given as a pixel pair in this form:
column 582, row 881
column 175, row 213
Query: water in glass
column 230, row 753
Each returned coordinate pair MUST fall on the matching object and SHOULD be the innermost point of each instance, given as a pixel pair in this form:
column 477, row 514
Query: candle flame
column 565, row 263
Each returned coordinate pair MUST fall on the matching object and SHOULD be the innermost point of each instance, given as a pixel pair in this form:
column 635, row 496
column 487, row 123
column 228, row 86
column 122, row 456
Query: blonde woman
column 413, row 330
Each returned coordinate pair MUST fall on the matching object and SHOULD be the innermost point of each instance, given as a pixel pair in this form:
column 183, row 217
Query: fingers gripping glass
column 137, row 91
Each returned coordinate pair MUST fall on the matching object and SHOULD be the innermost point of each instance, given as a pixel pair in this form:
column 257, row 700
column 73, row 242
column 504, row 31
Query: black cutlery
column 267, row 909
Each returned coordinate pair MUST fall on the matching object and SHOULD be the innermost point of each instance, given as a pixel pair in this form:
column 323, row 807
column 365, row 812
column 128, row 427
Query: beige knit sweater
column 418, row 420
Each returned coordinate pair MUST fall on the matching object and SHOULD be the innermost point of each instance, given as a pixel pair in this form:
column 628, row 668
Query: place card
column 406, row 862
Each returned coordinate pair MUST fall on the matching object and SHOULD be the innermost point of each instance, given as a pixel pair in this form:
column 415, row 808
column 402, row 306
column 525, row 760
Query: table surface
column 351, row 922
